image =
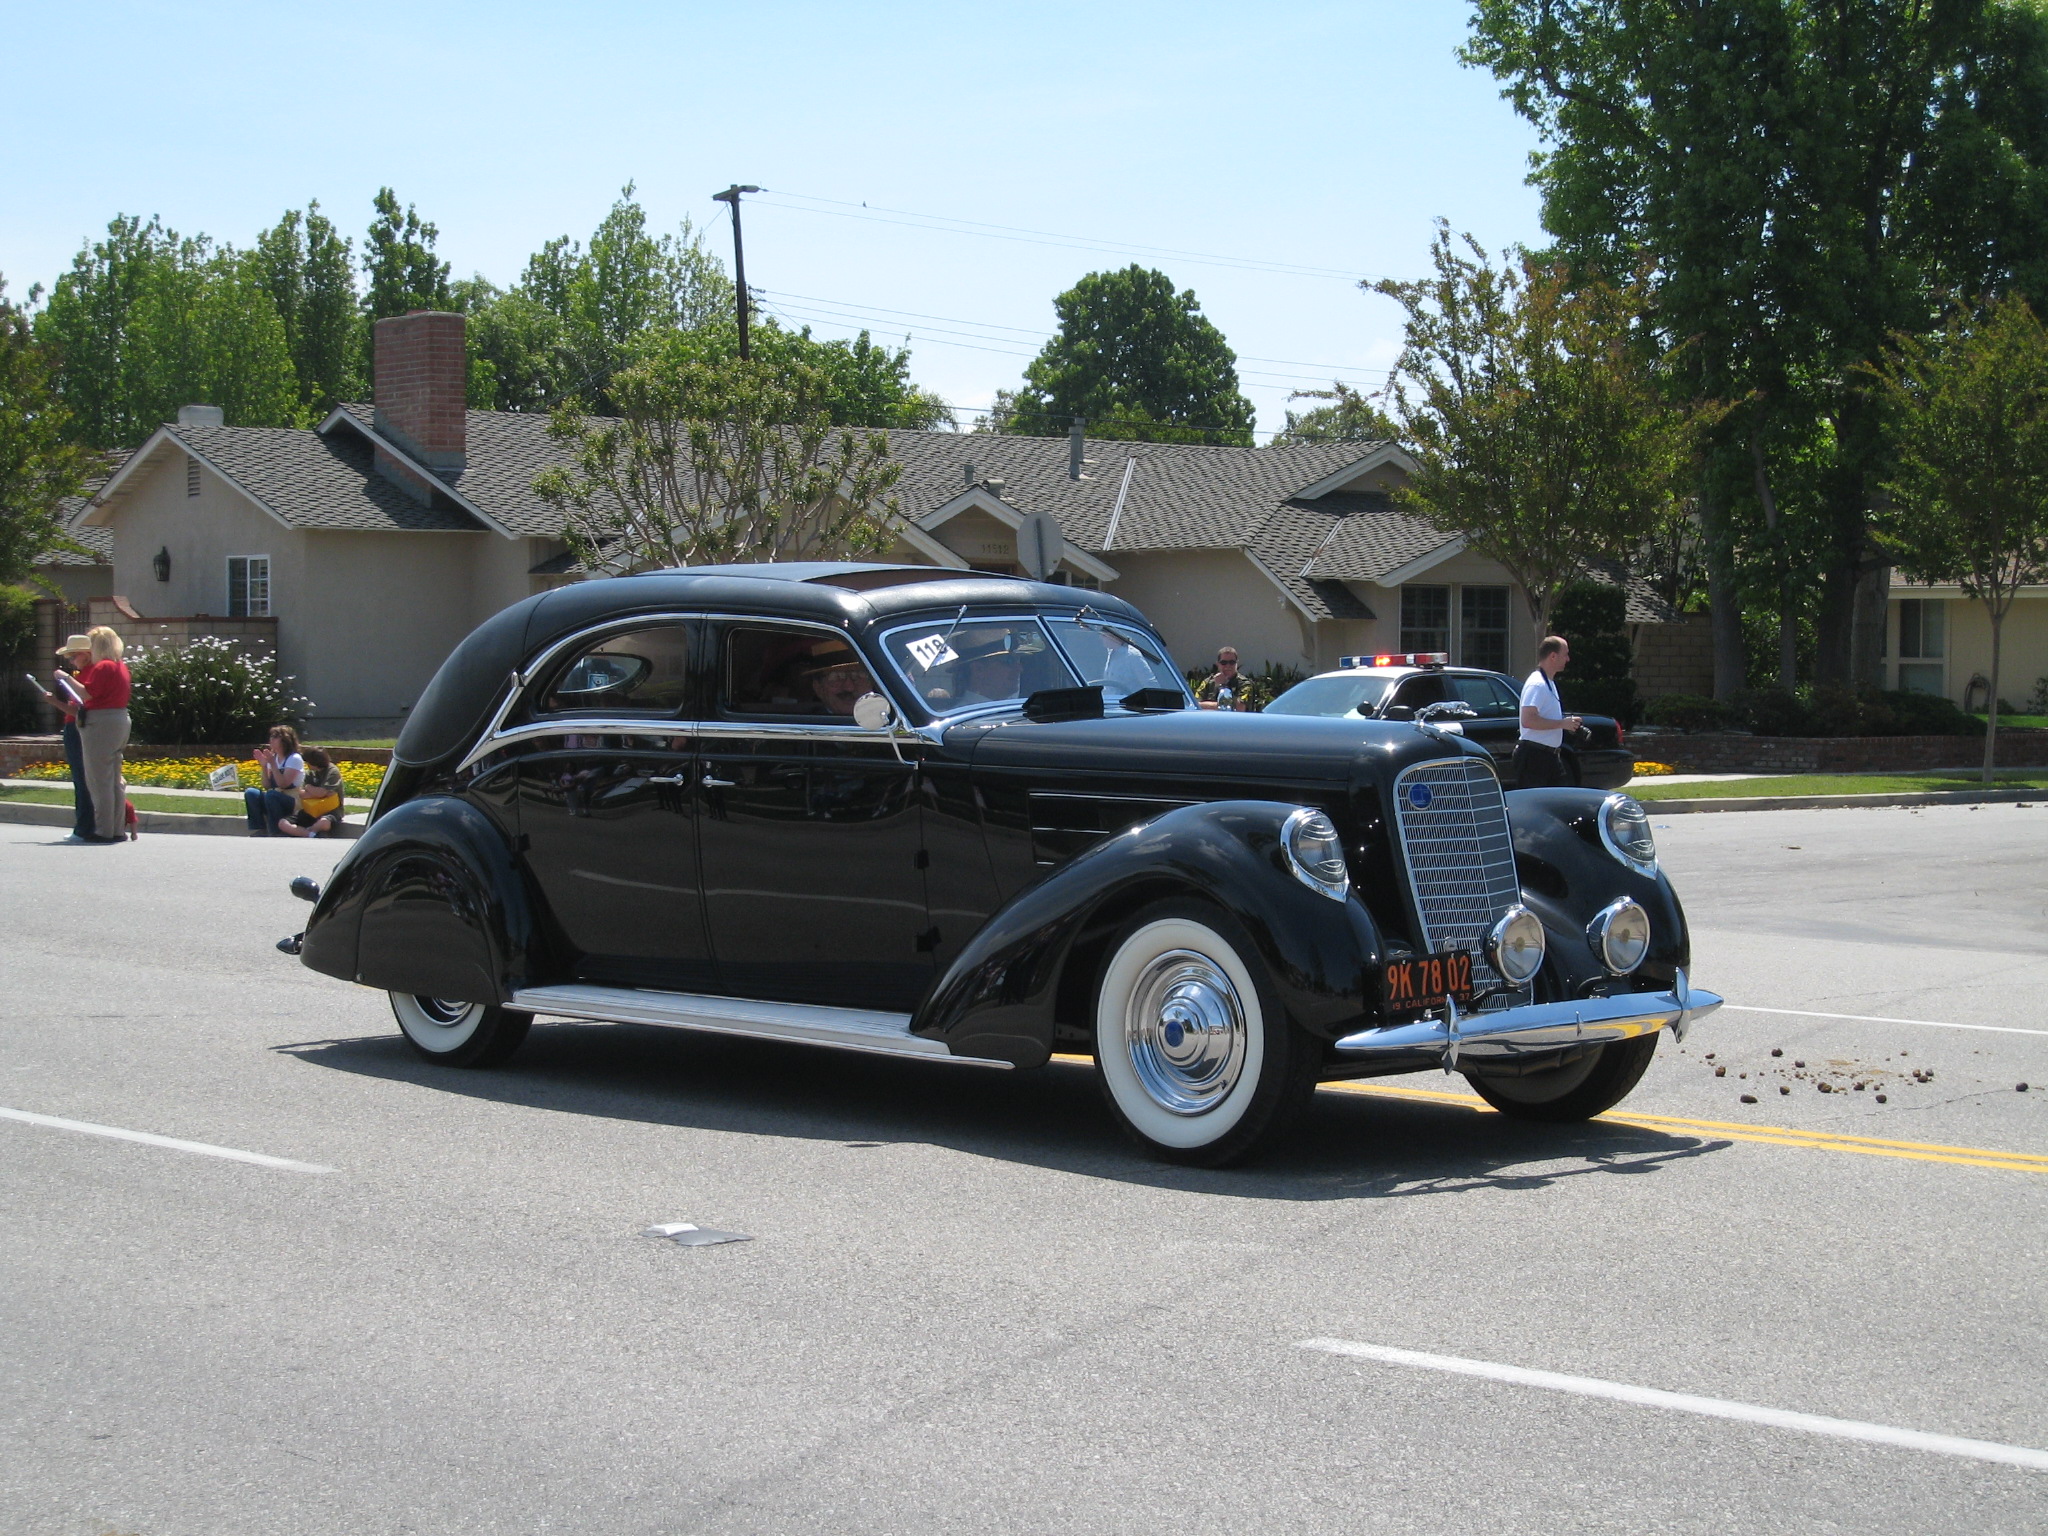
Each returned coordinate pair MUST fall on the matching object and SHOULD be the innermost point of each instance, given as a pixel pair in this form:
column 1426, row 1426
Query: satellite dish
column 1039, row 544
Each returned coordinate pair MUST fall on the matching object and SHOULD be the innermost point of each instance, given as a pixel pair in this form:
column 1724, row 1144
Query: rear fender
column 430, row 900
column 1025, row 983
column 1568, row 875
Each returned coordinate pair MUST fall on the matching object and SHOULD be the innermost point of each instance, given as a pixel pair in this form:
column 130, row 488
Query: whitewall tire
column 459, row 1034
column 1198, row 1060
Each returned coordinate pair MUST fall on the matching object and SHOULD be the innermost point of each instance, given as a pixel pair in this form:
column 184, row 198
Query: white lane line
column 204, row 1149
column 1685, row 1402
column 1867, row 1018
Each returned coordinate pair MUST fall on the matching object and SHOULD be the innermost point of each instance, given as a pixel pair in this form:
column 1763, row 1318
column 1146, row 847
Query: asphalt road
column 967, row 1303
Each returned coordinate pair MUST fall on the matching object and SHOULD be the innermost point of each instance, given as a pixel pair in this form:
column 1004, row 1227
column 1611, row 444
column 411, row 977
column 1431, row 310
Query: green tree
column 580, row 315
column 399, row 261
column 1969, row 486
column 146, row 321
column 1806, row 175
column 308, row 269
column 41, row 463
column 1134, row 360
column 713, row 460
column 1542, row 433
column 1350, row 417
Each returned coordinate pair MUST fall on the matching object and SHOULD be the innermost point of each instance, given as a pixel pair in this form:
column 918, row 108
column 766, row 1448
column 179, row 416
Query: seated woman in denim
column 283, row 771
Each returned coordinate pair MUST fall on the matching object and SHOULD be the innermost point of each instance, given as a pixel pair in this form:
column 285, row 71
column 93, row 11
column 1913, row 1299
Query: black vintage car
column 975, row 820
column 1485, row 706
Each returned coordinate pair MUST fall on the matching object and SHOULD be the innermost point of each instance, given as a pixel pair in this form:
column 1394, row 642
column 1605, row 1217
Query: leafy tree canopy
column 712, row 459
column 1136, row 360
column 146, row 321
column 308, row 269
column 1809, row 176
column 1350, row 417
column 1969, row 484
column 40, row 462
column 399, row 261
column 1539, row 421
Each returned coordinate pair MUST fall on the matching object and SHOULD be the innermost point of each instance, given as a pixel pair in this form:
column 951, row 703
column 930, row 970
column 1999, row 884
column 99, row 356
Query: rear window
column 642, row 671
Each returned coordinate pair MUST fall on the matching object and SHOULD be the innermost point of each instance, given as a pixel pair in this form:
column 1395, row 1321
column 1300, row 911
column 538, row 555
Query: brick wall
column 1716, row 753
column 1675, row 658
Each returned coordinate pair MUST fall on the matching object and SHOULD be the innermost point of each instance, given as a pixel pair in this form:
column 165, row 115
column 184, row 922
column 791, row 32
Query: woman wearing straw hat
column 105, row 733
column 74, row 656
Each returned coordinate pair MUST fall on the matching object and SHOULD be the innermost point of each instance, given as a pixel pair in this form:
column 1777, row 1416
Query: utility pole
column 739, row 256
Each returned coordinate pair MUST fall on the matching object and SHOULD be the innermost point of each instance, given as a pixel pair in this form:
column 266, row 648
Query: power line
column 946, row 224
column 990, row 325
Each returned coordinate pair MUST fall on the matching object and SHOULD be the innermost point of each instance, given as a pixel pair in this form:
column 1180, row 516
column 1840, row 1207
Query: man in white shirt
column 1539, row 755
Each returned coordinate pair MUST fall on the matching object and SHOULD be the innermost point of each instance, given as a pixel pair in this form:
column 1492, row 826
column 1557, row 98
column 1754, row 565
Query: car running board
column 846, row 1029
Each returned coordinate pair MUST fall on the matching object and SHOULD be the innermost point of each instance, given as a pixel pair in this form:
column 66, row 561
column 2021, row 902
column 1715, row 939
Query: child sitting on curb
column 317, row 799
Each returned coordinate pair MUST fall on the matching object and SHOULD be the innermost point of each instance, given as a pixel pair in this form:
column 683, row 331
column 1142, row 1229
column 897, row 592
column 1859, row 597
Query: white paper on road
column 1686, row 1402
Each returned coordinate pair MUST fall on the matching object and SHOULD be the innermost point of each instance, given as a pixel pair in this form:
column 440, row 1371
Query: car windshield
column 957, row 664
column 1121, row 660
column 1328, row 696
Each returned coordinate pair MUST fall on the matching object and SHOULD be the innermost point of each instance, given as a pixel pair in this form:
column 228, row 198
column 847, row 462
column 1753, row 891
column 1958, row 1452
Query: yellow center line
column 1768, row 1135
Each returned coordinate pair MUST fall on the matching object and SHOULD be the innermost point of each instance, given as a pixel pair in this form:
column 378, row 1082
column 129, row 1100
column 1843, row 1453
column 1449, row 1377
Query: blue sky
column 1314, row 135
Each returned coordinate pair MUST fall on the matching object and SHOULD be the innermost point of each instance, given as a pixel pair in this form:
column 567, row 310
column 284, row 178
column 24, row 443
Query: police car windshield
column 1329, row 696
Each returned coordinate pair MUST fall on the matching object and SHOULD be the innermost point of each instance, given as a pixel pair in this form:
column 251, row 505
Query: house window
column 1483, row 628
column 1922, row 645
column 191, row 475
column 1425, row 618
column 248, row 586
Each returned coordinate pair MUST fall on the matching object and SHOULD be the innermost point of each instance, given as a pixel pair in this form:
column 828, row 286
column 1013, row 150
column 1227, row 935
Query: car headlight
column 1516, row 946
column 1620, row 935
column 1625, row 829
column 1316, row 854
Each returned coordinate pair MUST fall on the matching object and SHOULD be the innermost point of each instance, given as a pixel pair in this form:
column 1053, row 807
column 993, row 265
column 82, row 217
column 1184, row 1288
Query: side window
column 1487, row 696
column 784, row 672
column 645, row 671
column 1419, row 691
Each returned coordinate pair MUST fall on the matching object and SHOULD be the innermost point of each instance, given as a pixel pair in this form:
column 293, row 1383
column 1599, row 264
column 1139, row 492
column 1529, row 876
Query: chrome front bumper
column 1537, row 1027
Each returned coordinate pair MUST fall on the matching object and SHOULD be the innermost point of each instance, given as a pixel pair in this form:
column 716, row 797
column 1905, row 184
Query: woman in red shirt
column 103, row 732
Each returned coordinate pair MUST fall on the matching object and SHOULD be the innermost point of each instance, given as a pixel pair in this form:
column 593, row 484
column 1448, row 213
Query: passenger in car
column 838, row 681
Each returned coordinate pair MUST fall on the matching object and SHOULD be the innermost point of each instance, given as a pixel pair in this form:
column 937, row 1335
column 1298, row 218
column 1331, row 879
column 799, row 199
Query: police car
column 1485, row 706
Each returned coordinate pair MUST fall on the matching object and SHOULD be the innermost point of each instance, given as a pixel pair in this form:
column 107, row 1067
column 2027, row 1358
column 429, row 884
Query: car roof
column 1398, row 672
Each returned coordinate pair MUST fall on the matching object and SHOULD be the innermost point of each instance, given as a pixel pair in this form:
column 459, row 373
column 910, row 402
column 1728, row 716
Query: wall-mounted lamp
column 162, row 565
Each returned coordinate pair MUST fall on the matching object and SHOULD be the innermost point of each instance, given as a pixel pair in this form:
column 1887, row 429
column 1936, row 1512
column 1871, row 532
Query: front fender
column 1025, row 982
column 1568, row 875
column 430, row 900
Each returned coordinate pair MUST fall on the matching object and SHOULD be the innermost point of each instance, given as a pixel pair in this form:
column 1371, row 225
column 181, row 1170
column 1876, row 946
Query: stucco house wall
column 384, row 613
column 1201, row 599
column 1967, row 642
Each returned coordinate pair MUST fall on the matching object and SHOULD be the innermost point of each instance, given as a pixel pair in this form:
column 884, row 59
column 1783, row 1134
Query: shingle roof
column 318, row 480
column 98, row 541
column 505, row 449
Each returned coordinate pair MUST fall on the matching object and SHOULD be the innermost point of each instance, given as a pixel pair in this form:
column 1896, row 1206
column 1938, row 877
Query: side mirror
column 1395, row 712
column 872, row 712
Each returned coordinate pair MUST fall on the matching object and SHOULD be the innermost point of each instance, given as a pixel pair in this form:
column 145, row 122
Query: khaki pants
column 102, row 737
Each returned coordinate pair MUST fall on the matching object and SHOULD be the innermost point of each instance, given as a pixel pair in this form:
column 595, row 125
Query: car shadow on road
column 1352, row 1145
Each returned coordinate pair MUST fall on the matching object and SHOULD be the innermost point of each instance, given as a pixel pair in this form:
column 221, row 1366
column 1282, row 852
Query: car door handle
column 710, row 783
column 673, row 778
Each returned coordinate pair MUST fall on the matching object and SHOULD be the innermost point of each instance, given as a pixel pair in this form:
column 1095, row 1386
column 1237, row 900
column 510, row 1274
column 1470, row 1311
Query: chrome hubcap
column 1185, row 1031
column 439, row 1010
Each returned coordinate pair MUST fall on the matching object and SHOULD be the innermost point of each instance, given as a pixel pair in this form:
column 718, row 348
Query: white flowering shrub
column 209, row 692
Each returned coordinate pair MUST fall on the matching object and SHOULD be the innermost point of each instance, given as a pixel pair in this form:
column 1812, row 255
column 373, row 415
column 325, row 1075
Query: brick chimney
column 422, row 389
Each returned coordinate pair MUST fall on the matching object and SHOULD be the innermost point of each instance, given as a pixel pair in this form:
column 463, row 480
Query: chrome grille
column 1460, row 857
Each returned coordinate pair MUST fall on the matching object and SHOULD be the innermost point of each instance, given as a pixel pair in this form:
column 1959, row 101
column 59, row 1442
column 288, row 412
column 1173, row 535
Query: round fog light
column 1620, row 935
column 1516, row 946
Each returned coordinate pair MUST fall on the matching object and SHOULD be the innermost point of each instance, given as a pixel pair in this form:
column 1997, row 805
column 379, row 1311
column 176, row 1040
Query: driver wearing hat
column 836, row 677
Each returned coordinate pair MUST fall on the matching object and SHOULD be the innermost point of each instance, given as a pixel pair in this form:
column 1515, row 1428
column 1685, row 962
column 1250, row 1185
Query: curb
column 1826, row 802
column 38, row 815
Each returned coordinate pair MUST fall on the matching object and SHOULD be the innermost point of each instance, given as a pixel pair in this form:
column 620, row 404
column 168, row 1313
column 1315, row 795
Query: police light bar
column 1397, row 659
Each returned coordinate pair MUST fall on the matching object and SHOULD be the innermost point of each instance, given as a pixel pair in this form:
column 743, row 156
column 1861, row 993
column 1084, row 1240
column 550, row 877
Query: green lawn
column 2036, row 722
column 1833, row 784
column 184, row 805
